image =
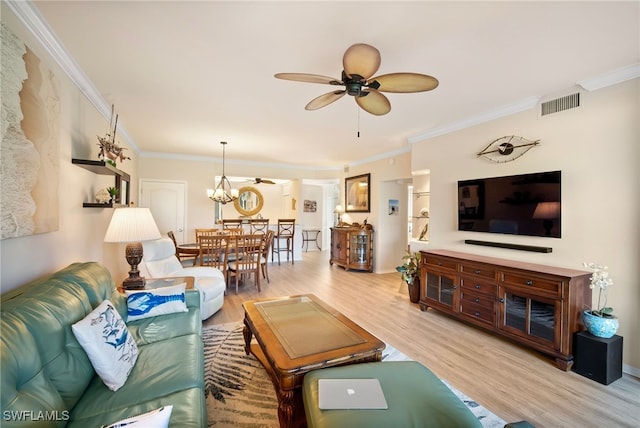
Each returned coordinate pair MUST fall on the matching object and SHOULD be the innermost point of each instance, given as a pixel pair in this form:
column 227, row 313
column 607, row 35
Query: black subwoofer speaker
column 597, row 358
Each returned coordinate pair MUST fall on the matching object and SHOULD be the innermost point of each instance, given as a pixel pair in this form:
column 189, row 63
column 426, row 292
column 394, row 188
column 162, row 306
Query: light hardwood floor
column 513, row 382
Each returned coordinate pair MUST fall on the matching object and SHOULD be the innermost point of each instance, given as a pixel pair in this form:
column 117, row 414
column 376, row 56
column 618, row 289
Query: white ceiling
column 186, row 75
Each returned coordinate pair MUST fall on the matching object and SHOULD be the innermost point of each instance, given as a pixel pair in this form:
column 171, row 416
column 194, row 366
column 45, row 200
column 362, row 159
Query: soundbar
column 532, row 248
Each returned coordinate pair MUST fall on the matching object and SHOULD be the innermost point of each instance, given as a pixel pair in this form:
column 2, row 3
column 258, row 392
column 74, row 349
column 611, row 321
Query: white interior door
column 167, row 202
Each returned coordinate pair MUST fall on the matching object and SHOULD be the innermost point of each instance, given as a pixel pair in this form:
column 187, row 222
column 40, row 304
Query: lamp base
column 133, row 254
column 133, row 283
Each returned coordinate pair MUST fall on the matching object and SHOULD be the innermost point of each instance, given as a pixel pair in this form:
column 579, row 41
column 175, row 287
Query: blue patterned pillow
column 111, row 349
column 158, row 301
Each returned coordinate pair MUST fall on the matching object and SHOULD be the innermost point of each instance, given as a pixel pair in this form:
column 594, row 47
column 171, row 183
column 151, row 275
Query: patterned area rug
column 239, row 392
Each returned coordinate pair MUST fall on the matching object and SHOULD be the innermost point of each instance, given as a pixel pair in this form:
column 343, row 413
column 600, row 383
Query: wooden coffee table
column 296, row 334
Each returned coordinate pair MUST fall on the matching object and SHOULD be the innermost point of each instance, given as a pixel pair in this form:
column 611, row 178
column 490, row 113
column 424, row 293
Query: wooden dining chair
column 264, row 257
column 204, row 232
column 247, row 249
column 213, row 252
column 180, row 255
column 286, row 230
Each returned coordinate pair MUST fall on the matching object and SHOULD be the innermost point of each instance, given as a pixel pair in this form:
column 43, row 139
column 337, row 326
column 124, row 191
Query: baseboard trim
column 510, row 246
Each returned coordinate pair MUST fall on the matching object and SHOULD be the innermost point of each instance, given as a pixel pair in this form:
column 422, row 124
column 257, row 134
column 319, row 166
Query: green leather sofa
column 48, row 380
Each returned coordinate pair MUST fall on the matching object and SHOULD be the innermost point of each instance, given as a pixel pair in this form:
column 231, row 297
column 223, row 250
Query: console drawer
column 547, row 286
column 469, row 296
column 480, row 271
column 439, row 262
column 483, row 287
column 478, row 312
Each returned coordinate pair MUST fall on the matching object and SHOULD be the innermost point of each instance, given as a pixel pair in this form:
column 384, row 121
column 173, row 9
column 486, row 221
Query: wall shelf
column 122, row 180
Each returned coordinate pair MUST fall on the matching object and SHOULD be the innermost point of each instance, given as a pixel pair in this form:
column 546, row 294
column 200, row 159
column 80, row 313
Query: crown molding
column 497, row 113
column 30, row 16
column 611, row 78
column 195, row 158
column 591, row 84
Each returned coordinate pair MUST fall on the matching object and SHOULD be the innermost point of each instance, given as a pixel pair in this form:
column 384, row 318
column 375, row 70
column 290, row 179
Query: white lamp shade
column 339, row 209
column 132, row 225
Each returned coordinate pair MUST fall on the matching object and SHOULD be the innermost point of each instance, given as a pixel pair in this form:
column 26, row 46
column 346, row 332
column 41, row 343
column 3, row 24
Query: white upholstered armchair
column 160, row 261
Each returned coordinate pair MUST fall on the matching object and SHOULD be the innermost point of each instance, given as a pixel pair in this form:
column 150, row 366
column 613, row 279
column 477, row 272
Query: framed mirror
column 249, row 201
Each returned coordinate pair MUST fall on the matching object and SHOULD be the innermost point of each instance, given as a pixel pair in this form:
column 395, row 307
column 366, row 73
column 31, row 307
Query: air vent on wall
column 560, row 104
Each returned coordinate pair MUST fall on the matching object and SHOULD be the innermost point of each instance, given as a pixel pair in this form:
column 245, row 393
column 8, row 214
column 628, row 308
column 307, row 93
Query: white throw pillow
column 158, row 418
column 158, row 301
column 111, row 349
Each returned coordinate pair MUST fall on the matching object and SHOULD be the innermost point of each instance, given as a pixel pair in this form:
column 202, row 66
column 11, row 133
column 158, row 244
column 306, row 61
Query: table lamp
column 339, row 210
column 132, row 225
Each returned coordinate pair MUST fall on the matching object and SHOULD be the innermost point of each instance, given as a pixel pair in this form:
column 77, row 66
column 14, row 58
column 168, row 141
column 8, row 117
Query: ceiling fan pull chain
column 358, row 121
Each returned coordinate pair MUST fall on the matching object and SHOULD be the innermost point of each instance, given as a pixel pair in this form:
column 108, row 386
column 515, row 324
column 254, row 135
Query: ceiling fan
column 258, row 180
column 359, row 63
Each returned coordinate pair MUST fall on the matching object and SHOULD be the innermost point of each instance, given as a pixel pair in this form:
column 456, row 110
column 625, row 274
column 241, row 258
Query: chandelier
column 223, row 192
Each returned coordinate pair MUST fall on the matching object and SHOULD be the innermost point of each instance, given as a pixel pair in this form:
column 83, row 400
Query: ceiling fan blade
column 309, row 78
column 361, row 59
column 406, row 82
column 259, row 180
column 324, row 100
column 374, row 102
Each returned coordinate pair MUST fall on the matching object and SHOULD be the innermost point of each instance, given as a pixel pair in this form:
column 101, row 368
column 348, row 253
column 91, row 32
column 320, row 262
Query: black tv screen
column 526, row 204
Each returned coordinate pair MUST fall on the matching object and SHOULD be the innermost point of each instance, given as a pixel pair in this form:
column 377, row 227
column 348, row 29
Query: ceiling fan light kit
column 360, row 62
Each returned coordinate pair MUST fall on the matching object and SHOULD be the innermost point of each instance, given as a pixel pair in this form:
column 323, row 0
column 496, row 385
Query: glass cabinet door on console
column 358, row 249
column 532, row 317
column 441, row 290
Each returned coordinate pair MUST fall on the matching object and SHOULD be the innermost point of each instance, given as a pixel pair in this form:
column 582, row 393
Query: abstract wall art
column 29, row 153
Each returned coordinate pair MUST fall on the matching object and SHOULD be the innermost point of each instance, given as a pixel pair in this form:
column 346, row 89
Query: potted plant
column 600, row 321
column 114, row 192
column 410, row 270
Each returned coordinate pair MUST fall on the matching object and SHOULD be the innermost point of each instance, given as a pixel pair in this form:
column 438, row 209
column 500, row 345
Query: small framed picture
column 357, row 193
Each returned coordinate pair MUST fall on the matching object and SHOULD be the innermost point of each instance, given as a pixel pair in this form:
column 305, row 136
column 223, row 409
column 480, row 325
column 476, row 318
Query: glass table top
column 303, row 327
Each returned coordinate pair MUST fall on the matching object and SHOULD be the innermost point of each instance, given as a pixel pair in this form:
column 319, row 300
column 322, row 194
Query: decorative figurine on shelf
column 103, row 196
column 108, row 146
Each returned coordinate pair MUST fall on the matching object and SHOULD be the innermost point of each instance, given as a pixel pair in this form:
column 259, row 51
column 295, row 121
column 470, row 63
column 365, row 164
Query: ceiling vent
column 560, row 104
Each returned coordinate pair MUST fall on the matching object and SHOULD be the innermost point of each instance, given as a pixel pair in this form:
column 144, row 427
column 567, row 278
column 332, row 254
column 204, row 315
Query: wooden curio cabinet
column 536, row 305
column 352, row 248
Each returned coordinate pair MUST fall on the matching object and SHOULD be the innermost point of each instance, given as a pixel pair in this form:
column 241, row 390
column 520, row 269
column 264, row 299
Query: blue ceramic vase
column 604, row 327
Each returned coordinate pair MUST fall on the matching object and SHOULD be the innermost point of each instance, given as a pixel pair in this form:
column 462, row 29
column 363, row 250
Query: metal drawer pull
column 439, row 263
column 477, row 314
column 478, row 286
column 477, row 271
column 529, row 282
column 501, row 300
column 476, row 300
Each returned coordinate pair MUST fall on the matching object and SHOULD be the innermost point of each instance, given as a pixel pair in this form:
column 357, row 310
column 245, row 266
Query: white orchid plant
column 600, row 278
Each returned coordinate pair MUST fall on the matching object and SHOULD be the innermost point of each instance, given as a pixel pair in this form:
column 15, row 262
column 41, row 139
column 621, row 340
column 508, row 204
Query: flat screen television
column 525, row 204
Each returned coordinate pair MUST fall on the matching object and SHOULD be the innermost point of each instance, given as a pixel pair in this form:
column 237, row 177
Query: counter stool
column 286, row 230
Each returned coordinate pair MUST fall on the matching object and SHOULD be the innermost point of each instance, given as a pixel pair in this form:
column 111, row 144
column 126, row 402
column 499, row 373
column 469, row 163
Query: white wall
column 390, row 239
column 596, row 146
column 81, row 230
